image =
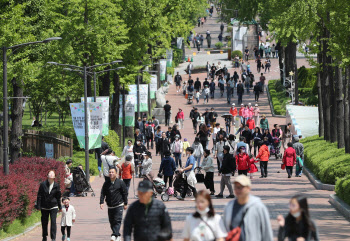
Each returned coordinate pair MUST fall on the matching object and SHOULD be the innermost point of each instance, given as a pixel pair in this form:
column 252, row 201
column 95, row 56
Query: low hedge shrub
column 342, row 188
column 278, row 98
column 18, row 190
column 237, row 52
column 325, row 160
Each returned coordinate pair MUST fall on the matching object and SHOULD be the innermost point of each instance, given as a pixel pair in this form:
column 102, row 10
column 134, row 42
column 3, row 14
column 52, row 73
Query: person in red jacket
column 180, row 117
column 252, row 166
column 251, row 124
column 264, row 156
column 289, row 159
column 242, row 162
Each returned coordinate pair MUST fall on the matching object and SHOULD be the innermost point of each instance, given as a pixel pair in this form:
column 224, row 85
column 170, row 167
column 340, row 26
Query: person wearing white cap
column 256, row 113
column 247, row 212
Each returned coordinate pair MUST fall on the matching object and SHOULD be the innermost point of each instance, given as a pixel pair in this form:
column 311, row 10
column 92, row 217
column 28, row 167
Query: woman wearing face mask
column 204, row 224
column 242, row 162
column 49, row 202
column 129, row 150
column 297, row 225
column 176, row 149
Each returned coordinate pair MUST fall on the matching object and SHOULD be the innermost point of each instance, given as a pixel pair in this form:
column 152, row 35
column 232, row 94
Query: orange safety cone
column 188, row 59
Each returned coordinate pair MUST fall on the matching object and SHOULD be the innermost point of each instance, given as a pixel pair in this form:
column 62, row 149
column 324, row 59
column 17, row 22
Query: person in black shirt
column 212, row 118
column 197, row 85
column 168, row 133
column 240, row 91
column 190, row 81
column 164, row 145
column 206, row 116
column 206, row 82
column 138, row 149
column 116, row 195
column 174, row 132
column 167, row 109
column 194, row 116
column 247, row 135
column 177, row 81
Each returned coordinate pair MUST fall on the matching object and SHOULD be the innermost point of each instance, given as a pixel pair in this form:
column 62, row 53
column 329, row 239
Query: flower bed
column 18, row 190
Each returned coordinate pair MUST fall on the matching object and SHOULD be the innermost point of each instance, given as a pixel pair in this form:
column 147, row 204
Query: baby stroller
column 190, row 97
column 275, row 147
column 158, row 188
column 81, row 185
column 179, row 183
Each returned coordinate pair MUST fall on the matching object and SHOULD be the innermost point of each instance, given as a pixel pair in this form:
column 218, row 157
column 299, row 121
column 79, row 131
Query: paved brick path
column 275, row 191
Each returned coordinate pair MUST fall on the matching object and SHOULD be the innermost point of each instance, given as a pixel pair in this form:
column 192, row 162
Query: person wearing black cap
column 115, row 193
column 167, row 109
column 147, row 218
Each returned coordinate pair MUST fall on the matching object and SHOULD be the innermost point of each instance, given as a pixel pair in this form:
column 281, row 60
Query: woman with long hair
column 203, row 135
column 257, row 137
column 297, row 225
column 49, row 202
column 204, row 224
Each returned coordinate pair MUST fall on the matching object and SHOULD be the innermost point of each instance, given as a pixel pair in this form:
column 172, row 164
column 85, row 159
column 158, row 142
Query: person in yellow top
column 185, row 145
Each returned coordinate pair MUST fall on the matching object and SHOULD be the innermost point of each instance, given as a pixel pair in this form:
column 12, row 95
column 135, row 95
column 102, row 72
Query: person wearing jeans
column 115, row 193
column 49, row 202
column 188, row 170
column 176, row 149
column 180, row 117
column 289, row 159
column 227, row 168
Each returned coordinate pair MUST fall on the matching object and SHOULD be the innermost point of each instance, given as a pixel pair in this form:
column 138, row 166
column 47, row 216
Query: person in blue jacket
column 167, row 167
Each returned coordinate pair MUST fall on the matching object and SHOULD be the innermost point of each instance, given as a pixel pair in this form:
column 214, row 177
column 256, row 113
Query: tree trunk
column 280, row 59
column 16, row 117
column 106, row 83
column 320, row 114
column 340, row 108
column 325, row 87
column 333, row 75
column 115, row 105
column 291, row 65
column 347, row 109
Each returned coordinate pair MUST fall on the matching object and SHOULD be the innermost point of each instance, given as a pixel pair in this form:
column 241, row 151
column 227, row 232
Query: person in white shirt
column 129, row 150
column 216, row 129
column 109, row 160
column 147, row 165
column 206, row 92
column 67, row 219
column 204, row 224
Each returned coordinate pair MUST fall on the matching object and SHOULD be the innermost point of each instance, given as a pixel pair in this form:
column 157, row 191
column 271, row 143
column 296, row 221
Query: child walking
column 197, row 96
column 185, row 145
column 252, row 167
column 68, row 218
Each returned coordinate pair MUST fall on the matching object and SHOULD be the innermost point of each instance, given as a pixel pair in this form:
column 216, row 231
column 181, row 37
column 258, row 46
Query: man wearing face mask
column 138, row 149
column 247, row 212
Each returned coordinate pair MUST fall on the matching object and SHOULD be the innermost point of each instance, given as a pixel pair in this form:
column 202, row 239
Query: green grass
column 18, row 226
column 50, row 120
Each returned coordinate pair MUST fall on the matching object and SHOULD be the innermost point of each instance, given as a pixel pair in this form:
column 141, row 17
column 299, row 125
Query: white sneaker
column 119, row 238
column 100, row 174
column 113, row 238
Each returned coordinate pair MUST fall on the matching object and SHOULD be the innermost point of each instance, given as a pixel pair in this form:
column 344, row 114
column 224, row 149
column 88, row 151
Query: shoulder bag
column 199, row 175
column 211, row 229
column 235, row 233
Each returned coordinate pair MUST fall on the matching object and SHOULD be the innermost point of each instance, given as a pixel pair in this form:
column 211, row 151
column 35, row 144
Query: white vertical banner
column 105, row 113
column 89, row 99
column 49, row 150
column 162, row 67
column 94, row 123
column 153, row 86
column 169, row 79
column 144, row 98
column 169, row 57
column 179, row 42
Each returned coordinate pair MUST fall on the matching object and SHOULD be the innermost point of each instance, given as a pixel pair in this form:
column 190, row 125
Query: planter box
column 340, row 205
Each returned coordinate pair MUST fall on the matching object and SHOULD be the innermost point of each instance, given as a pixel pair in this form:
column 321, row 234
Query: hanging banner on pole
column 130, row 102
column 162, row 66
column 153, row 86
column 169, row 79
column 179, row 42
column 169, row 57
column 105, row 113
column 144, row 98
column 94, row 123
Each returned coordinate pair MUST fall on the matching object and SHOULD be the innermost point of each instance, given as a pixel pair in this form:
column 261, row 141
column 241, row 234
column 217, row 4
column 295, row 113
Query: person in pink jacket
column 256, row 113
column 245, row 113
column 251, row 110
column 180, row 117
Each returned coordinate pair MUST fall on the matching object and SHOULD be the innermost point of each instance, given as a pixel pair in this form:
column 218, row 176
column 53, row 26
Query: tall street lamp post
column 85, row 72
column 5, row 98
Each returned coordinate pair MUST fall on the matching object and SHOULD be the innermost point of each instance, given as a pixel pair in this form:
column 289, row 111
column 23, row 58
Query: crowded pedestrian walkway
column 271, row 194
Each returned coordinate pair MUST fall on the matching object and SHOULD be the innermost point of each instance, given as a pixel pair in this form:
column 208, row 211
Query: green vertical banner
column 105, row 113
column 153, row 86
column 162, row 67
column 130, row 101
column 169, row 58
column 94, row 123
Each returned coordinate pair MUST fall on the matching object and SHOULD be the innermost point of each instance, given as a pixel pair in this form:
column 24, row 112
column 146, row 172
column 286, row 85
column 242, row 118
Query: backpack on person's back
column 149, row 131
